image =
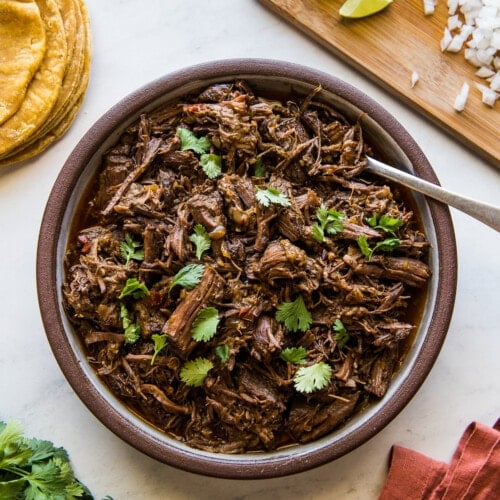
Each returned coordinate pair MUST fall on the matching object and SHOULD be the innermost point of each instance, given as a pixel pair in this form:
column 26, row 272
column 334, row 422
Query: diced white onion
column 456, row 44
column 452, row 7
column 414, row 78
column 495, row 82
column 473, row 27
column 429, row 7
column 488, row 96
column 446, row 40
column 454, row 22
column 461, row 99
column 484, row 72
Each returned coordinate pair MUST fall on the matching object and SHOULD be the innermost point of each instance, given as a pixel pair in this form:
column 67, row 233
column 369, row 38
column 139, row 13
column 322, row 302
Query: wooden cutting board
column 389, row 46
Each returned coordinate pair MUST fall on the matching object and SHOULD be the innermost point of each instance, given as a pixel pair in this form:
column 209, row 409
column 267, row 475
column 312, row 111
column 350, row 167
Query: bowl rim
column 46, row 268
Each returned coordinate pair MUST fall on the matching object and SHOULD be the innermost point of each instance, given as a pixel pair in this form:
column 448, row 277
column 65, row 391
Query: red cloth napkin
column 474, row 471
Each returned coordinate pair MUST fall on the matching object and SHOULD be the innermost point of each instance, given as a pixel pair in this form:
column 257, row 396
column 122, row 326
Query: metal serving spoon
column 484, row 212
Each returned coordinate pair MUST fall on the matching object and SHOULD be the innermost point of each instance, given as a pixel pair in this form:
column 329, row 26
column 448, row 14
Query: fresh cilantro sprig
column 386, row 223
column 160, row 341
column 132, row 331
column 271, row 195
column 329, row 221
column 205, row 324
column 188, row 277
column 341, row 336
column 200, row 239
column 294, row 315
column 35, row 469
column 259, row 168
column 130, row 249
column 222, row 352
column 210, row 163
column 387, row 245
column 194, row 372
column 134, row 288
column 312, row 378
column 190, row 142
column 296, row 355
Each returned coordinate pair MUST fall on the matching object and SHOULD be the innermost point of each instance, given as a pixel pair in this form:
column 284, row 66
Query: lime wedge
column 362, row 8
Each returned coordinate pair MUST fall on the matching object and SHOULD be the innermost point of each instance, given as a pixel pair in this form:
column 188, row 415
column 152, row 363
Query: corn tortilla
column 72, row 93
column 45, row 86
column 76, row 42
column 22, row 48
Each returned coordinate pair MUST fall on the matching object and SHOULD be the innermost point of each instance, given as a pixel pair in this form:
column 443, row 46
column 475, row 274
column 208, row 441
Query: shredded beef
column 153, row 191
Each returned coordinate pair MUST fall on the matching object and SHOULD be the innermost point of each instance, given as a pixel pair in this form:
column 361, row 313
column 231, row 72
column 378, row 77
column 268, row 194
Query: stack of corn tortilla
column 44, row 72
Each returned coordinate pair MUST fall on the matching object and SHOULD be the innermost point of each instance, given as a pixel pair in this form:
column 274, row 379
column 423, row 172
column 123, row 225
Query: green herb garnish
column 312, row 378
column 296, row 355
column 190, row 141
column 205, row 324
column 271, row 195
column 387, row 245
column 200, row 239
column 211, row 164
column 259, row 168
column 134, row 288
column 387, row 223
column 194, row 372
column 132, row 331
column 188, row 277
column 341, row 336
column 294, row 315
column 329, row 222
column 160, row 341
column 130, row 249
column 35, row 469
column 222, row 352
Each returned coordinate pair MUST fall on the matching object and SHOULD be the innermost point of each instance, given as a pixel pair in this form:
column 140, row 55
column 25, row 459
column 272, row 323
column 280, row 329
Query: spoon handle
column 484, row 212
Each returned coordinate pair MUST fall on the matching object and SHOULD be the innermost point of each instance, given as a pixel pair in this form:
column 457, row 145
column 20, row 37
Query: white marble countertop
column 134, row 42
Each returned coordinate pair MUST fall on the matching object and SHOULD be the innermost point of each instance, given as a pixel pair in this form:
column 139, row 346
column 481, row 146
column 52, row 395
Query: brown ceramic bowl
column 396, row 146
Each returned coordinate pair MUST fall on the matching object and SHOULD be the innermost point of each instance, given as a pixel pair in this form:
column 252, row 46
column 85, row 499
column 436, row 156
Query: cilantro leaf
column 200, row 239
column 311, row 378
column 205, row 324
column 341, row 336
column 294, row 315
column 387, row 245
column 190, row 141
column 132, row 331
column 387, row 223
column 48, row 480
column 271, row 195
column 211, row 164
column 295, row 355
column 34, row 469
column 160, row 341
column 259, row 168
column 43, row 450
column 222, row 352
column 188, row 277
column 194, row 372
column 329, row 222
column 135, row 288
column 318, row 233
column 364, row 247
column 130, row 249
column 13, row 451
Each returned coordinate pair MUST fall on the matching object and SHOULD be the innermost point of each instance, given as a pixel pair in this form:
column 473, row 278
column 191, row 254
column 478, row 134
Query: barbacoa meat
column 153, row 191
